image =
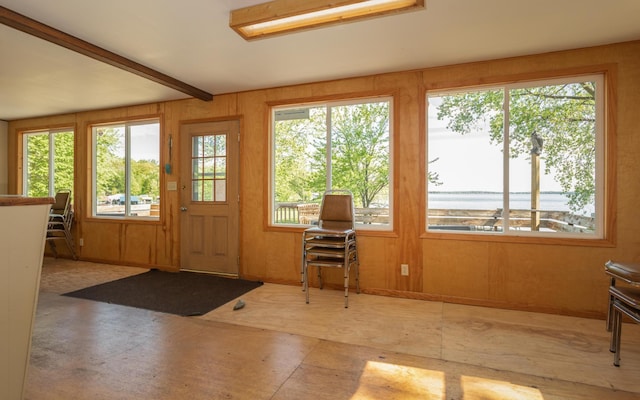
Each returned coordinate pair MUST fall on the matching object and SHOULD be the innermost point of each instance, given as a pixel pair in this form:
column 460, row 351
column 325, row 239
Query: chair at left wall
column 60, row 222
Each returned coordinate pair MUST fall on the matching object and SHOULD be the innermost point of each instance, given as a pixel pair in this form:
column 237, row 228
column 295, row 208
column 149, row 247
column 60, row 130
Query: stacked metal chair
column 60, row 222
column 332, row 244
column 623, row 300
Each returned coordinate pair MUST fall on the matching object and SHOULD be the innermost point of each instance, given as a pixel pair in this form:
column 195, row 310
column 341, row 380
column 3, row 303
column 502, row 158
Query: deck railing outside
column 308, row 213
column 446, row 219
column 491, row 220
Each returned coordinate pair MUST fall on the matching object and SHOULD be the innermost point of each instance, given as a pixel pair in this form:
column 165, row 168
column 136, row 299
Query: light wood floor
column 278, row 347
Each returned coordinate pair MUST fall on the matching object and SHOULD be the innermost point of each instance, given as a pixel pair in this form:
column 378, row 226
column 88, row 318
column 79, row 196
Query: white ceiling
column 191, row 41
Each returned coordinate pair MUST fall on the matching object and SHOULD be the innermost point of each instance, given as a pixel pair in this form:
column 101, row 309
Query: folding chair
column 332, row 244
column 60, row 222
column 623, row 300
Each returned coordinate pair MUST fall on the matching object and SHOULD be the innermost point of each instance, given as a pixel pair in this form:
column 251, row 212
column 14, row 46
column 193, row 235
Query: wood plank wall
column 557, row 277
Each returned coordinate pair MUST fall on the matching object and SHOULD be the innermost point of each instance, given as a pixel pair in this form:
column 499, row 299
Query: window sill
column 501, row 238
column 360, row 231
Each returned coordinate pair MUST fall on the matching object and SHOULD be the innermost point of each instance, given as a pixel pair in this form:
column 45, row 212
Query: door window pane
column 209, row 177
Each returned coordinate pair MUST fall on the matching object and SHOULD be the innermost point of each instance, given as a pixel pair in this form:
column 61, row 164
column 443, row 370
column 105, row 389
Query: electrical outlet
column 404, row 269
column 81, row 242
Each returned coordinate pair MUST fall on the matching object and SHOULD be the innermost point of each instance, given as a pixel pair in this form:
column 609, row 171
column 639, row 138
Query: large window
column 521, row 159
column 126, row 169
column 47, row 162
column 337, row 145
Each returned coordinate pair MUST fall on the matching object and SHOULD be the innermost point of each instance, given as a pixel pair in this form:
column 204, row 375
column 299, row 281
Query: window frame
column 385, row 229
column 51, row 157
column 127, row 124
column 604, row 167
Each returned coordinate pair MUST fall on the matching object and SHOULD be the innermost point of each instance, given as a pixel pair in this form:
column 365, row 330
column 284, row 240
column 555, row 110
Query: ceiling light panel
column 280, row 16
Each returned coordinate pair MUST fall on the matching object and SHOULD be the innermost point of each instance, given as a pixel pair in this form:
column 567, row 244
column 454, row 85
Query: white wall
column 4, row 178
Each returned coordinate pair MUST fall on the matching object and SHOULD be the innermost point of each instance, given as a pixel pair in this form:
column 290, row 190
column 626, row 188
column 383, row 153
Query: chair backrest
column 337, row 210
column 62, row 202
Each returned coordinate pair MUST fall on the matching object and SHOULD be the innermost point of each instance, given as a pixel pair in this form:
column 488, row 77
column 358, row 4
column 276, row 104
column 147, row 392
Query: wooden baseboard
column 483, row 303
column 168, row 268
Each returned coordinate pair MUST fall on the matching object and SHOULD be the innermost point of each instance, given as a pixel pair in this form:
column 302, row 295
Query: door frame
column 232, row 196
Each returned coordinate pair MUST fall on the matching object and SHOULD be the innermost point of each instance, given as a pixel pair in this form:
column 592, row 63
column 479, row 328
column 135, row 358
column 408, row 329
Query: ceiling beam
column 38, row 29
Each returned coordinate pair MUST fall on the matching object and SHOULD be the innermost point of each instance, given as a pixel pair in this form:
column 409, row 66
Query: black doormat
column 182, row 293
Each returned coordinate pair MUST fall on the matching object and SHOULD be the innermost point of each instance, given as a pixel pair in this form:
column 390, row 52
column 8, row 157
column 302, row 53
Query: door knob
column 183, row 208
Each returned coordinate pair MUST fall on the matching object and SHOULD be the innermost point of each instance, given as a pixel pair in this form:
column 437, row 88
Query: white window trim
column 600, row 187
column 51, row 162
column 127, row 126
column 334, row 103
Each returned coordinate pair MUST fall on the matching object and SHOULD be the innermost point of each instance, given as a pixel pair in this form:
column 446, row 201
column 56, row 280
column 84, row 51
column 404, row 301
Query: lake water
column 490, row 201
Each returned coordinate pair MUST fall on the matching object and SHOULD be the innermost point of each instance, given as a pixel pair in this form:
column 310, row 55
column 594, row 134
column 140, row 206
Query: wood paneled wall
column 551, row 277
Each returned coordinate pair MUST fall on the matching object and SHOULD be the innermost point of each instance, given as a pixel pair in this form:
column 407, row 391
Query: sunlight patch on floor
column 412, row 383
column 479, row 388
column 420, row 383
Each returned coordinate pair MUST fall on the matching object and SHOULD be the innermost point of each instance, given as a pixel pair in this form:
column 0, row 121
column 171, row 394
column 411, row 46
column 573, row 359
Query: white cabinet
column 23, row 226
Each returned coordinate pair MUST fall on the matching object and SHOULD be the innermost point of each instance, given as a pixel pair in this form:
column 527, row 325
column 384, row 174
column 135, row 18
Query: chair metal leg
column 357, row 265
column 52, row 246
column 346, row 284
column 610, row 309
column 614, row 322
column 610, row 314
column 69, row 240
column 616, row 335
column 304, row 270
column 305, row 280
column 303, row 261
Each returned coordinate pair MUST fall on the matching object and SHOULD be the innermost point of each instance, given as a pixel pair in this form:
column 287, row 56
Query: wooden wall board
column 551, row 276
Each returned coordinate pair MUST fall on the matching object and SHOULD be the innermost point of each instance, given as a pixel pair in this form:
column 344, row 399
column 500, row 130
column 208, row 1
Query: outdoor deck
column 447, row 219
